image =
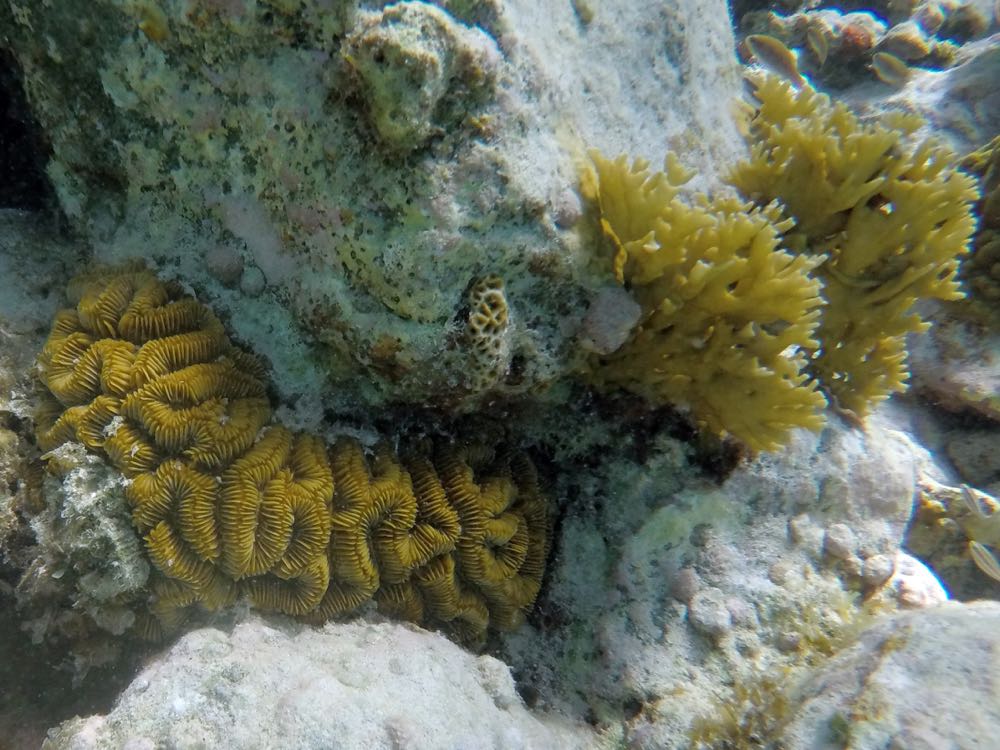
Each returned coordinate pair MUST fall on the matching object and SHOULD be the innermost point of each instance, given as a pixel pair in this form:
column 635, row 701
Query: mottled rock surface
column 353, row 168
column 669, row 586
column 957, row 365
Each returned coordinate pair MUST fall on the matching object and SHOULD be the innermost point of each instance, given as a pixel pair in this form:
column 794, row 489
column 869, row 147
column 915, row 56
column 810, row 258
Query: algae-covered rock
column 677, row 602
column 916, row 680
column 421, row 71
column 354, row 167
column 91, row 566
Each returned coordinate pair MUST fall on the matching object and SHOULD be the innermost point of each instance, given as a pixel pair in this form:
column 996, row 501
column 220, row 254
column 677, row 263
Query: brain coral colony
column 750, row 310
column 230, row 504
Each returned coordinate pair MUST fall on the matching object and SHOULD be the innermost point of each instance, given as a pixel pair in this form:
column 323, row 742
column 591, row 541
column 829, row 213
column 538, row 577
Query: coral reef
column 957, row 530
column 230, row 504
column 722, row 305
column 892, row 217
column 838, row 46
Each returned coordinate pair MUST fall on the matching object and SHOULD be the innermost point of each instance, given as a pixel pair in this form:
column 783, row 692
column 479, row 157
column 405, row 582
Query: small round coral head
column 775, row 56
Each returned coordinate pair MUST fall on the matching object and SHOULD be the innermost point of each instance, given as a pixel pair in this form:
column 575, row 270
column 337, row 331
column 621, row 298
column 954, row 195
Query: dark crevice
column 23, row 151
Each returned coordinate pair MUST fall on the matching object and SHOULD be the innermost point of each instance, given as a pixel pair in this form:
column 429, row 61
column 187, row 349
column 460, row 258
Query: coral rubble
column 230, row 504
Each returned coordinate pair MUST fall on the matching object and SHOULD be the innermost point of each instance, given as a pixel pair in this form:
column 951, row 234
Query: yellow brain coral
column 726, row 312
column 231, row 505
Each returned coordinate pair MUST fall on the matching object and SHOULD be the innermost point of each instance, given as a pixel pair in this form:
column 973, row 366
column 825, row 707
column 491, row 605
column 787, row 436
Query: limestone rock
column 677, row 586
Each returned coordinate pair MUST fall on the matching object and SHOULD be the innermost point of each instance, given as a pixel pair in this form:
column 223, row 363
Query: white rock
column 271, row 684
column 709, row 614
column 839, row 541
column 914, row 584
column 667, row 532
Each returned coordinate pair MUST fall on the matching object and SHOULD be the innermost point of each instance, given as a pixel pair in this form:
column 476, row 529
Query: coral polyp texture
column 726, row 312
column 892, row 216
column 231, row 505
column 748, row 306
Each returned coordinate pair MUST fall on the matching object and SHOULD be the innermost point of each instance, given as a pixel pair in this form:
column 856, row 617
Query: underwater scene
column 512, row 374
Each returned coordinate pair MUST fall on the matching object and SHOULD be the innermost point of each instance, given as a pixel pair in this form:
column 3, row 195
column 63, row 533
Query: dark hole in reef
column 23, row 182
column 632, row 708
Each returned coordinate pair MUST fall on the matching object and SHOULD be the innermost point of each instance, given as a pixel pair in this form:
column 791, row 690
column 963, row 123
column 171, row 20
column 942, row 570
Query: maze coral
column 231, row 505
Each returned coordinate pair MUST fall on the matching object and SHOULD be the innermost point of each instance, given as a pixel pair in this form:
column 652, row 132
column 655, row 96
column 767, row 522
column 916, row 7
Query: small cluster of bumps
column 231, row 505
column 753, row 307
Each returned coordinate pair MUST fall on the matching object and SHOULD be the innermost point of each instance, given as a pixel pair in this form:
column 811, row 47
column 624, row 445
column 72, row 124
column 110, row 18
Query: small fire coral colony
column 723, row 306
column 747, row 306
column 231, row 505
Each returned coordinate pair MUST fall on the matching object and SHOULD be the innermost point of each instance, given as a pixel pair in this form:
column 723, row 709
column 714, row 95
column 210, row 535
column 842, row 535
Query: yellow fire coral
column 726, row 312
column 746, row 307
column 230, row 505
column 891, row 216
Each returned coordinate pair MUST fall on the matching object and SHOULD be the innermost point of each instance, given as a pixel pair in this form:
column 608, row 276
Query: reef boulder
column 334, row 177
column 918, row 679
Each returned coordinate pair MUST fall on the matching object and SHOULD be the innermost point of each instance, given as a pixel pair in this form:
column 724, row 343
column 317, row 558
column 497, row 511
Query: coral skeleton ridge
column 747, row 307
column 982, row 270
column 231, row 505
